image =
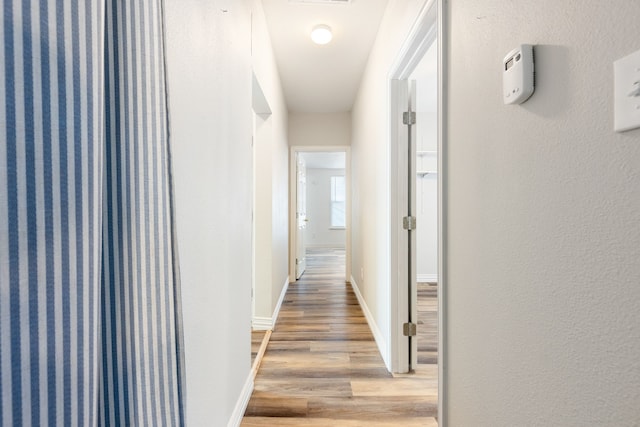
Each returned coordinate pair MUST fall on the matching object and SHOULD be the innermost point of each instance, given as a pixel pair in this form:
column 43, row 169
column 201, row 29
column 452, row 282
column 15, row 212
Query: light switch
column 626, row 95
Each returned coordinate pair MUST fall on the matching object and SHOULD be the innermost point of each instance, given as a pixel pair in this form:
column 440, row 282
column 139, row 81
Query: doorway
column 416, row 160
column 319, row 205
column 425, row 188
column 405, row 159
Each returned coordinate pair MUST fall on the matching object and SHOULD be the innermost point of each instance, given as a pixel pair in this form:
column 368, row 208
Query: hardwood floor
column 322, row 366
column 259, row 341
column 256, row 342
column 427, row 323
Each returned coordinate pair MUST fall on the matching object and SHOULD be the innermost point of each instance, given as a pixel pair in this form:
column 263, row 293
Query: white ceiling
column 322, row 79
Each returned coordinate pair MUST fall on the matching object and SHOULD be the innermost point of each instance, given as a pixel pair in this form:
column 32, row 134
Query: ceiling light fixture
column 321, row 34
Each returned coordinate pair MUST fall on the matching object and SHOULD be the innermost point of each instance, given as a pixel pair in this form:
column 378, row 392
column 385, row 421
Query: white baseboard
column 383, row 347
column 267, row 323
column 276, row 312
column 261, row 323
column 325, row 246
column 241, row 404
column 427, row 278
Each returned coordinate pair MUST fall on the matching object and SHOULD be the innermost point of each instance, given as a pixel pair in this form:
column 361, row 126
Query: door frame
column 427, row 29
column 293, row 229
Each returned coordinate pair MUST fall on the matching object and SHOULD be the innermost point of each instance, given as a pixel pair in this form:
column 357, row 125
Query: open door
column 409, row 225
column 301, row 215
column 404, row 228
column 426, row 33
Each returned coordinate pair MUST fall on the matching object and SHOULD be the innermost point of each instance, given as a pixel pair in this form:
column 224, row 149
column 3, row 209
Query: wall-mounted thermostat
column 518, row 75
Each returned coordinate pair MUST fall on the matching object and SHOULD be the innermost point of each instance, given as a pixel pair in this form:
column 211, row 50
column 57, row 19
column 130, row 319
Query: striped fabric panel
column 140, row 366
column 89, row 297
column 51, row 92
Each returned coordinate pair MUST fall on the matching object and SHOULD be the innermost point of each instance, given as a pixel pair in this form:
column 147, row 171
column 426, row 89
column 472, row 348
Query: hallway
column 322, row 366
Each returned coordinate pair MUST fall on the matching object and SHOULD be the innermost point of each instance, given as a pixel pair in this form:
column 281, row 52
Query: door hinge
column 409, row 222
column 409, row 329
column 409, row 118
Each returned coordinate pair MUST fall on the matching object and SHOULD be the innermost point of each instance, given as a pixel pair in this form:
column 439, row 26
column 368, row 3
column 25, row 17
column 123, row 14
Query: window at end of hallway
column 337, row 202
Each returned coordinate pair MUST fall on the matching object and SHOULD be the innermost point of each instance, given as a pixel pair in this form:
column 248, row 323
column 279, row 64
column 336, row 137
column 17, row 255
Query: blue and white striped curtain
column 90, row 322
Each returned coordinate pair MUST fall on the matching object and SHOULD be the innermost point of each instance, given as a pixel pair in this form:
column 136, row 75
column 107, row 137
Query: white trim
column 276, row 312
column 383, row 347
column 428, row 277
column 420, row 38
column 267, row 323
column 261, row 323
column 443, row 238
column 242, row 402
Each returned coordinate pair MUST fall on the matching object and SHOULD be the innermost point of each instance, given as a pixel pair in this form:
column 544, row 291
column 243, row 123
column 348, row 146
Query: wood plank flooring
column 322, row 366
column 256, row 342
column 427, row 323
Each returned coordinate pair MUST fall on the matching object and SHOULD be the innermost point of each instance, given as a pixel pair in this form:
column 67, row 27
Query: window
column 337, row 202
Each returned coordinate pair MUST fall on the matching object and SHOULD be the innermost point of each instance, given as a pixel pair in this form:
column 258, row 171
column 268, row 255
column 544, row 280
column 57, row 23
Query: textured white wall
column 318, row 232
column 263, row 215
column 209, row 77
column 272, row 175
column 209, row 80
column 544, row 211
column 319, row 129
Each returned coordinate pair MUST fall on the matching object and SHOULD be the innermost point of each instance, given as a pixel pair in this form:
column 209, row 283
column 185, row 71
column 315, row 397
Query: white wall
column 319, row 232
column 319, row 129
column 426, row 77
column 370, row 154
column 543, row 220
column 210, row 102
column 209, row 79
column 427, row 197
column 272, row 175
column 263, row 218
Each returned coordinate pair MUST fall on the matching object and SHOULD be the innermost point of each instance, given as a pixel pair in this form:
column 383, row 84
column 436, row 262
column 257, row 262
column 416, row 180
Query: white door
column 412, row 287
column 301, row 215
column 405, row 226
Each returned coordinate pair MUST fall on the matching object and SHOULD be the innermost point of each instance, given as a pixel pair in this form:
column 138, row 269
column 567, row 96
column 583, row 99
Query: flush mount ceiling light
column 321, row 34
